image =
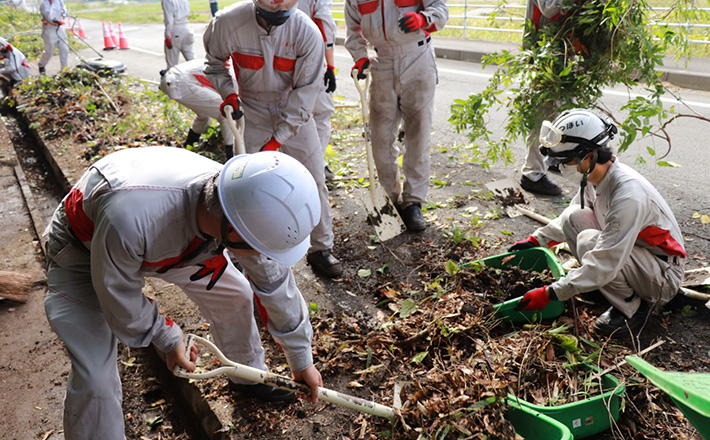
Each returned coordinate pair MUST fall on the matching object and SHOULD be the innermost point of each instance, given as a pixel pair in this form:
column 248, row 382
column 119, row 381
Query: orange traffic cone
column 114, row 38
column 108, row 41
column 80, row 29
column 122, row 42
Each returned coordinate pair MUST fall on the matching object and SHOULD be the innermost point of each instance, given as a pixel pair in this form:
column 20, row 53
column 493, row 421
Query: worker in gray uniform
column 277, row 54
column 319, row 11
column 179, row 38
column 404, row 78
column 54, row 13
column 187, row 84
column 14, row 65
column 172, row 214
column 618, row 226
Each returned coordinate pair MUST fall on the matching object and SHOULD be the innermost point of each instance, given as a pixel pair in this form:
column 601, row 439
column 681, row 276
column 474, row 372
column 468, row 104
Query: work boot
column 543, row 186
column 229, row 151
column 263, row 392
column 192, row 137
column 413, row 218
column 613, row 322
column 41, row 71
column 554, row 169
column 324, row 263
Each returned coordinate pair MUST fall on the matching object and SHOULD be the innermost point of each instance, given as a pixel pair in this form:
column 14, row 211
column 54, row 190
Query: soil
column 465, row 225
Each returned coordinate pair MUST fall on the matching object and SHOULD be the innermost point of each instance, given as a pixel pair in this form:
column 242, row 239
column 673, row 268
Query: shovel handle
column 234, row 369
column 365, row 109
column 237, row 128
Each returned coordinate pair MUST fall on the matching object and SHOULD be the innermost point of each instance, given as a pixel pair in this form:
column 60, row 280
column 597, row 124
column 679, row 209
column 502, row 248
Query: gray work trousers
column 644, row 276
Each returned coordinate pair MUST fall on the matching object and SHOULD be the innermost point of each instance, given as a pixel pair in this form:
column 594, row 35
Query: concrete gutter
column 693, row 73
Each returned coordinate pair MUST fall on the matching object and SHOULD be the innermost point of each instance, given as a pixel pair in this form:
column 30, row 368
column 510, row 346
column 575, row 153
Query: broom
column 15, row 286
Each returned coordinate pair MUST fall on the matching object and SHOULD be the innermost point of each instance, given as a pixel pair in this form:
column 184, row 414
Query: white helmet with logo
column 272, row 201
column 573, row 135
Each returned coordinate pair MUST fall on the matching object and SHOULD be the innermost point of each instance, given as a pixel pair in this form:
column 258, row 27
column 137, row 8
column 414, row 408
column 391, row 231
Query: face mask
column 274, row 18
column 570, row 173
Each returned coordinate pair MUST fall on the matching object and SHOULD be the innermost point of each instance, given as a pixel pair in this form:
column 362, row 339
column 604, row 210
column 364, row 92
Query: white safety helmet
column 573, row 135
column 272, row 201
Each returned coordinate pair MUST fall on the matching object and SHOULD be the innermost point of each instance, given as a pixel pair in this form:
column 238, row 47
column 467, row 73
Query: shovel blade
column 382, row 214
column 509, row 193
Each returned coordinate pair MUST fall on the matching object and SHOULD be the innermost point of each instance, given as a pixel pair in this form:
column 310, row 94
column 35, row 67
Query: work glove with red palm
column 329, row 79
column 232, row 100
column 536, row 299
column 7, row 48
column 59, row 22
column 412, row 21
column 168, row 43
column 361, row 66
column 272, row 145
column 528, row 243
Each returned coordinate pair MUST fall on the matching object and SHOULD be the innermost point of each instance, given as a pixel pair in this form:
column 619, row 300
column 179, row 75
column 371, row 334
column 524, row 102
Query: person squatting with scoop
column 187, row 84
column 324, row 107
column 53, row 15
column 277, row 54
column 179, row 38
column 404, row 78
column 14, row 64
column 618, row 226
column 172, row 214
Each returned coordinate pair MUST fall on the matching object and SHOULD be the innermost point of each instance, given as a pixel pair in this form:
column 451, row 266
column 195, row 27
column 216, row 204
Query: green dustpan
column 689, row 391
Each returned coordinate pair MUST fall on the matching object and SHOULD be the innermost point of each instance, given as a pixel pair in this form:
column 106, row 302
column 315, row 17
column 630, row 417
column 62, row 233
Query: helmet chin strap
column 583, row 183
column 226, row 243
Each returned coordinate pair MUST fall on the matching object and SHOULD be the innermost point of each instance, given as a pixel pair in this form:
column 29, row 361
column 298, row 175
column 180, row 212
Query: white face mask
column 570, row 173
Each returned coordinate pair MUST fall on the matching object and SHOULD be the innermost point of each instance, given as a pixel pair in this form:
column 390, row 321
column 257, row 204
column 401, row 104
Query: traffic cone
column 122, row 42
column 80, row 29
column 114, row 38
column 108, row 41
column 71, row 29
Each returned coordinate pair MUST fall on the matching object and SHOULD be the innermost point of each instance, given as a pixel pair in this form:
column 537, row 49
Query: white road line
column 149, row 52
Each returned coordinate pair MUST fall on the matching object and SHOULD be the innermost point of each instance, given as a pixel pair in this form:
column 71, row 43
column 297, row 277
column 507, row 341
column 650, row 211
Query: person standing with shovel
column 404, row 78
column 277, row 53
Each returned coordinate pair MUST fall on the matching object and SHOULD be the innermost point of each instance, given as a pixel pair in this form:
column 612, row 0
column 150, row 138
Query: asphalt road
column 686, row 187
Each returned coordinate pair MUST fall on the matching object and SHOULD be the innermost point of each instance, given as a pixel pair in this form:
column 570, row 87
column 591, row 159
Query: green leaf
column 452, row 268
column 419, row 357
column 383, row 268
column 409, row 306
column 364, row 273
column 312, row 309
column 664, row 163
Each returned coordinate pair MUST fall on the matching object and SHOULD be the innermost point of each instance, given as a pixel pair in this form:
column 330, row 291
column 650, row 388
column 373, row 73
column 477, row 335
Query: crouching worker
column 187, row 85
column 618, row 226
column 173, row 214
column 14, row 66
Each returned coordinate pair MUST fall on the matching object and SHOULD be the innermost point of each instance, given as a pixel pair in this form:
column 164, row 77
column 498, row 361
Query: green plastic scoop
column 689, row 391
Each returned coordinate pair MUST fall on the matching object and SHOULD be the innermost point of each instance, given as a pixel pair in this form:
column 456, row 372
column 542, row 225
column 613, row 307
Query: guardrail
column 513, row 15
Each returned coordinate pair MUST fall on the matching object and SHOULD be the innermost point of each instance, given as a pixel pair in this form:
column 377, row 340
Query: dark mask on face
column 274, row 18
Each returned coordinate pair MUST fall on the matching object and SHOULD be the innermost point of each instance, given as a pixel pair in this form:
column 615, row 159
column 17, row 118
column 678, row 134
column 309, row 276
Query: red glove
column 168, row 43
column 59, row 22
column 7, row 48
column 528, row 243
column 272, row 145
column 232, row 100
column 412, row 21
column 536, row 299
column 361, row 65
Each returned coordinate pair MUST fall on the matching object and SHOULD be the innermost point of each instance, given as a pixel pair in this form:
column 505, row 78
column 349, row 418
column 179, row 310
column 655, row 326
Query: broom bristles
column 15, row 286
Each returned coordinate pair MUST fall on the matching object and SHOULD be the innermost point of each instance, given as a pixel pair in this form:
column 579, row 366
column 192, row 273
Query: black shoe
column 263, row 392
column 613, row 322
column 324, row 263
column 543, row 186
column 554, row 169
column 192, row 137
column 229, row 151
column 41, row 70
column 329, row 173
column 413, row 218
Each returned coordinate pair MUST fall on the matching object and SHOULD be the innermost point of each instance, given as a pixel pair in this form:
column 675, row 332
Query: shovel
column 380, row 208
column 237, row 128
column 233, row 369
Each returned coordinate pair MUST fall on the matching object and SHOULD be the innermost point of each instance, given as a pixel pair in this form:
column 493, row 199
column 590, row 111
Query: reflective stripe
column 202, row 79
column 81, row 225
column 163, row 266
column 284, row 64
column 253, row 62
column 367, row 7
column 662, row 239
column 406, row 3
